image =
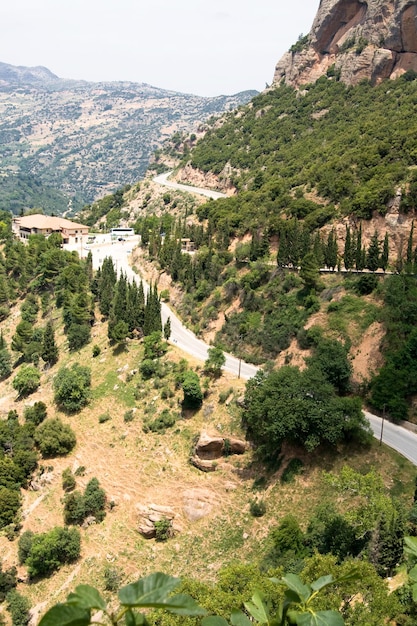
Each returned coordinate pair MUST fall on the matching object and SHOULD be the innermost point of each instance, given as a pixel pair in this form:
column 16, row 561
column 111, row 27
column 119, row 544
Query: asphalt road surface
column 162, row 179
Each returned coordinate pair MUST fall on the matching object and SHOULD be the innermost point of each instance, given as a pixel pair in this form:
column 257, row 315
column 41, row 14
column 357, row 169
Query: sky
column 202, row 47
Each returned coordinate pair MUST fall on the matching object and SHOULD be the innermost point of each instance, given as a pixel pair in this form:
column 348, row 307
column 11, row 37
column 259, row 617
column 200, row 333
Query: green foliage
column 68, row 480
column 160, row 424
column 27, row 380
column 5, row 364
column 18, row 606
column 52, row 549
column 193, row 396
column 54, row 438
column 49, row 348
column 112, row 578
column 35, row 413
column 8, row 581
column 96, row 351
column 300, row 407
column 331, row 358
column 294, row 467
column 129, row 416
column 72, row 387
column 163, row 529
column 215, row 361
column 77, row 506
column 154, row 591
column 78, row 336
column 257, row 508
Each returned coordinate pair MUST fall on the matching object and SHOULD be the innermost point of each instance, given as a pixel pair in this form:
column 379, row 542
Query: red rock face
column 373, row 40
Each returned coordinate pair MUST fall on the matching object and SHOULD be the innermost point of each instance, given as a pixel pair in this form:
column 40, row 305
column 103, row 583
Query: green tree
column 9, row 506
column 72, row 387
column 52, row 549
column 27, row 380
column 167, row 329
column 385, row 253
column 193, row 396
column 54, row 438
column 309, row 271
column 348, row 254
column 372, row 256
column 215, row 361
column 49, row 348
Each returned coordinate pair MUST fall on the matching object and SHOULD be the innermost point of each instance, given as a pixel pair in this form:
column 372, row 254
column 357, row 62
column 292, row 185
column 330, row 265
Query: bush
column 8, row 581
column 36, row 413
column 294, row 467
column 68, row 480
column 129, row 416
column 54, row 438
column 72, row 387
column 148, row 368
column 25, row 546
column 104, row 417
column 27, row 380
column 9, row 506
column 163, row 529
column 112, row 579
column 78, row 335
column 161, row 423
column 78, row 506
column 257, row 508
column 52, row 549
column 18, row 607
column 96, row 351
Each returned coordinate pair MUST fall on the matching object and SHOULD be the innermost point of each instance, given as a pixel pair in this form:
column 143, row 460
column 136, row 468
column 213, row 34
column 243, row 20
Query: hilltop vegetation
column 317, row 155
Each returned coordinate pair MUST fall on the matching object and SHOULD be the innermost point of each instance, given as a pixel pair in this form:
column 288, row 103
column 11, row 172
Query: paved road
column 394, row 436
column 162, row 179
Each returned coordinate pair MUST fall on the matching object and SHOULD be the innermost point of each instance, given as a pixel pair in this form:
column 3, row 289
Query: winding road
column 162, row 179
column 397, row 437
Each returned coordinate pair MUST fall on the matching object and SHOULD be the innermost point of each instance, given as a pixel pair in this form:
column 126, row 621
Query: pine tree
column 49, row 348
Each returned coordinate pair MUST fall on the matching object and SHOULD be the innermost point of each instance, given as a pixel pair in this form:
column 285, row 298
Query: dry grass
column 136, row 468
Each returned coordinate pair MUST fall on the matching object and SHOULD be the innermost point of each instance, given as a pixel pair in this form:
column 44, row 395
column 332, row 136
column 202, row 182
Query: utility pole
column 382, row 425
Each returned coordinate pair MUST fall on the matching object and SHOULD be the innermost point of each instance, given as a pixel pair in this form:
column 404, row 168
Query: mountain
column 359, row 40
column 65, row 143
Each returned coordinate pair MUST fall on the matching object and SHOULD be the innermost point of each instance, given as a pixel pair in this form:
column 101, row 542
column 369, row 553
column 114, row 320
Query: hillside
column 142, row 460
column 65, row 143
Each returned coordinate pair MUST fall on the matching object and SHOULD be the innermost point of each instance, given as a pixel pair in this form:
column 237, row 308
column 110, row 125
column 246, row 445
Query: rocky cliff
column 356, row 40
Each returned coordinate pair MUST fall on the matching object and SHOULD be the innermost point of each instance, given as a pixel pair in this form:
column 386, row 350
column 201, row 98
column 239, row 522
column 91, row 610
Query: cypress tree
column 385, row 253
column 330, row 254
column 409, row 261
column 372, row 257
column 358, row 249
column 348, row 254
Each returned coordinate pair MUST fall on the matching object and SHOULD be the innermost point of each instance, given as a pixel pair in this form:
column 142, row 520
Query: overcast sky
column 208, row 47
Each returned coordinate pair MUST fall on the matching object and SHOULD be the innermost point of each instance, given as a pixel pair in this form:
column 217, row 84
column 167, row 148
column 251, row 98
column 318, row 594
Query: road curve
column 396, row 437
column 162, row 179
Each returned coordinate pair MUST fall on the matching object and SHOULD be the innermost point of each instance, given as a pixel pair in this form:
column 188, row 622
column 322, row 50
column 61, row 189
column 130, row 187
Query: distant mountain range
column 64, row 143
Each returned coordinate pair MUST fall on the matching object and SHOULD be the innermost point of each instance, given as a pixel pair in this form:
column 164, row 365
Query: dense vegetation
column 351, row 146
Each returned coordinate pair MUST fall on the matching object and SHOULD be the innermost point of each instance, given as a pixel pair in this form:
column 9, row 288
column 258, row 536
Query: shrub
column 96, row 351
column 104, row 417
column 18, row 607
column 193, row 396
column 27, row 380
column 163, row 529
column 257, row 508
column 68, row 480
column 72, row 387
column 36, row 413
column 223, row 395
column 294, row 467
column 161, row 423
column 78, row 506
column 9, row 505
column 5, row 364
column 112, row 579
column 25, row 546
column 54, row 438
column 148, row 368
column 129, row 416
column 52, row 549
column 78, row 335
column 8, row 580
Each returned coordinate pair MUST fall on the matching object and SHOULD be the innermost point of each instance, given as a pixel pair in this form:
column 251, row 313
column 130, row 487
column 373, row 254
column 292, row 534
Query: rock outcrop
column 355, row 40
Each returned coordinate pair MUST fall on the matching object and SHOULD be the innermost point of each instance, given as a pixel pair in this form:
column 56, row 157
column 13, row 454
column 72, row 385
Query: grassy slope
column 138, row 469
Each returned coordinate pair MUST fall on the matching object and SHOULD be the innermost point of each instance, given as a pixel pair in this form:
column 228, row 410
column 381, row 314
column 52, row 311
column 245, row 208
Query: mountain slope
column 85, row 139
